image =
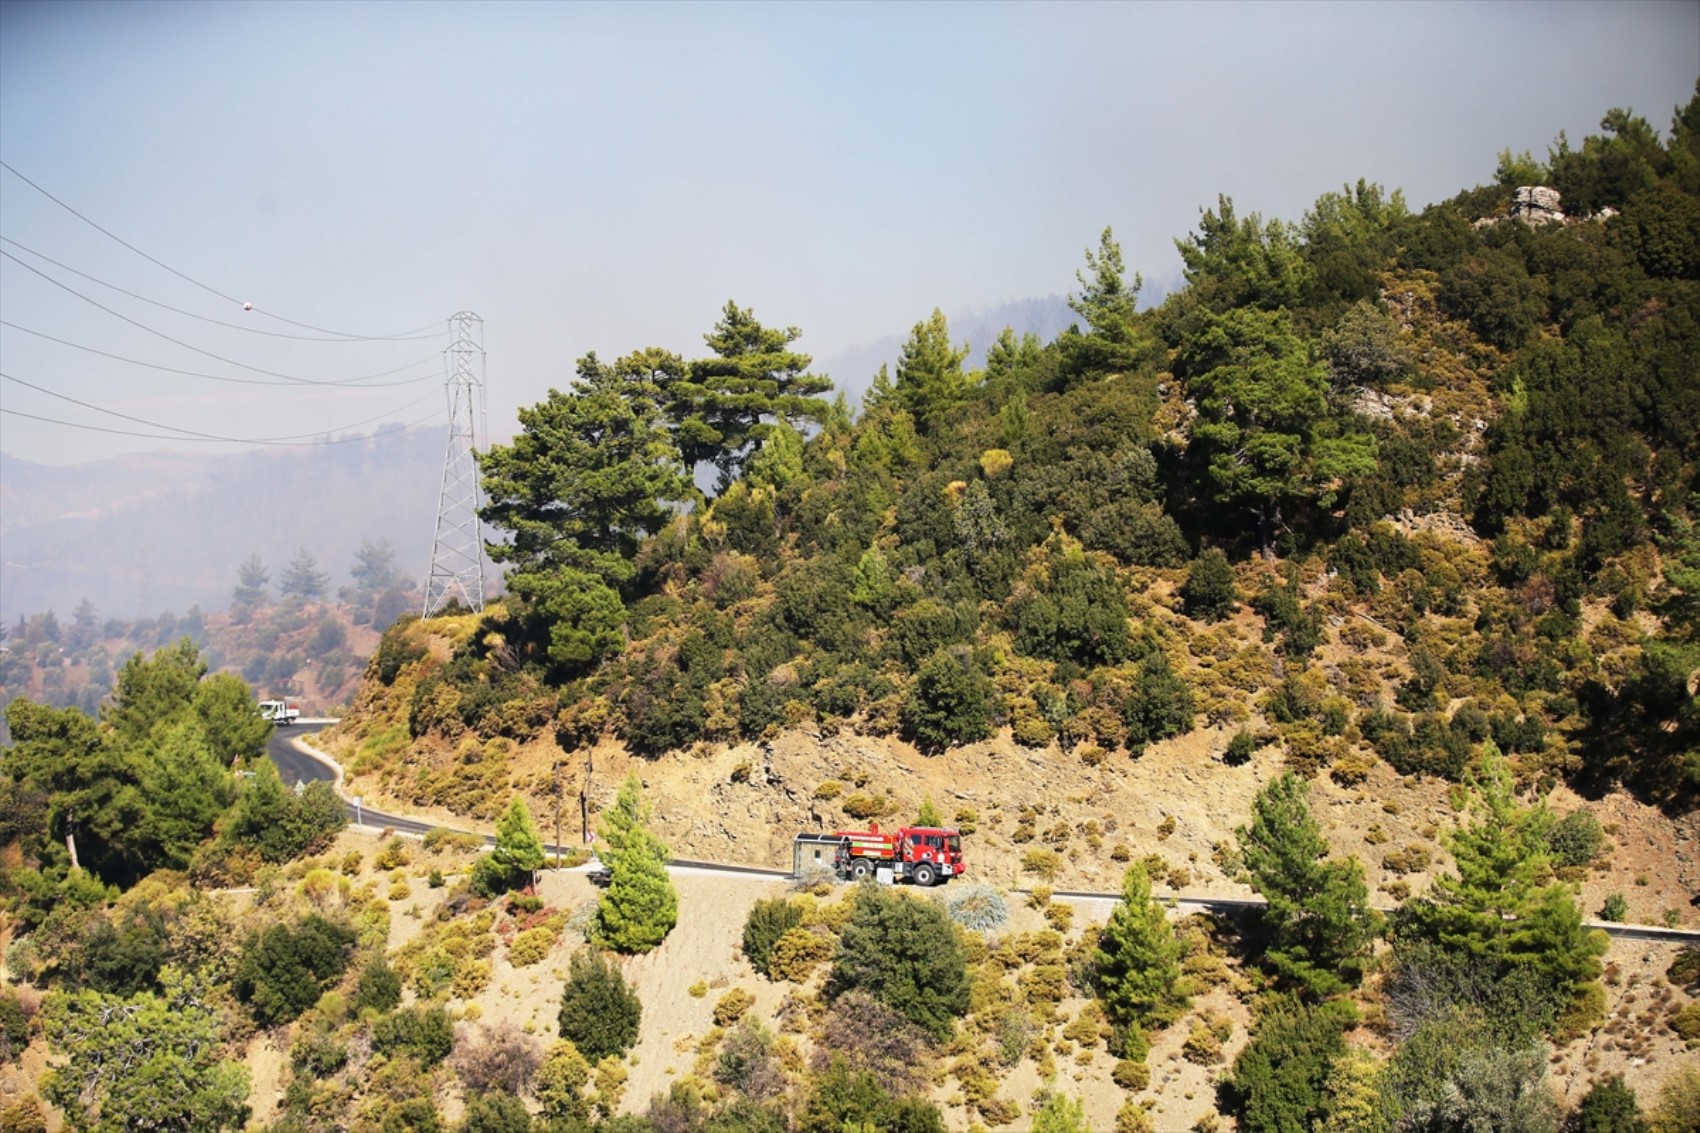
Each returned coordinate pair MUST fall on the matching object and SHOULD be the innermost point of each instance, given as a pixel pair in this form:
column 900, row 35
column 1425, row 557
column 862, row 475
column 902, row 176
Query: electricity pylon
column 457, row 552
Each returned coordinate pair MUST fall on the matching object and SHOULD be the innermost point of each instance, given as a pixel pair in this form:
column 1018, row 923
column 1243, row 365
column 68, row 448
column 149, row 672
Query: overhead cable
column 348, row 384
column 437, row 333
column 187, row 434
column 179, row 342
column 379, row 436
column 191, row 279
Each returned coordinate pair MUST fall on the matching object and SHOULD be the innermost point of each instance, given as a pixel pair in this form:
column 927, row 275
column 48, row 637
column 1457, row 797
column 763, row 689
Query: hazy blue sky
column 606, row 177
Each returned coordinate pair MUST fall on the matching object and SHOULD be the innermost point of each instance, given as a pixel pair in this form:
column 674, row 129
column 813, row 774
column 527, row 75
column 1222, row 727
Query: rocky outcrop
column 1536, row 204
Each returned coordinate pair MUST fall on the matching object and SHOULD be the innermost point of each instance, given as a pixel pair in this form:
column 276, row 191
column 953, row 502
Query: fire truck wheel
column 860, row 869
column 924, row 874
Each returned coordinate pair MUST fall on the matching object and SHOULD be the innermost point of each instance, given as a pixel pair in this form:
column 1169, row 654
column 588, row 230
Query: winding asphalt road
column 298, row 763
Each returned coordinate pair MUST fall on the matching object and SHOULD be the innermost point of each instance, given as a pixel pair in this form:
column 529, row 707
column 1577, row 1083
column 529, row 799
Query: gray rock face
column 1536, row 204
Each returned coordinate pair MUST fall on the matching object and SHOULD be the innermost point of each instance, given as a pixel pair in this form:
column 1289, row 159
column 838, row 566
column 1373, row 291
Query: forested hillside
column 1360, row 574
column 1456, row 447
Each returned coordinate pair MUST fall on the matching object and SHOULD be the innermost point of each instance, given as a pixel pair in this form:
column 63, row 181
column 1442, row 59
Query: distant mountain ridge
column 143, row 533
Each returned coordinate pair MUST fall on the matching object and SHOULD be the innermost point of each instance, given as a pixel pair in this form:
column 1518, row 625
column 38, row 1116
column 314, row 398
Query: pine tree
column 150, row 1061
column 1113, row 340
column 302, row 578
column 929, row 814
column 85, row 627
column 1502, row 911
column 1138, row 959
column 519, row 846
column 251, row 579
column 1318, row 913
column 640, row 906
column 721, row 411
column 929, row 373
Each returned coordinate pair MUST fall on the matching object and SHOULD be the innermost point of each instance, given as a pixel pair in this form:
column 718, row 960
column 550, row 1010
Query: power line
column 188, row 278
column 216, row 440
column 348, row 384
column 179, row 342
column 192, row 434
column 409, row 337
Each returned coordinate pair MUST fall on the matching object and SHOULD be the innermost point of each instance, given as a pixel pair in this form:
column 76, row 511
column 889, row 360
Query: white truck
column 280, row 712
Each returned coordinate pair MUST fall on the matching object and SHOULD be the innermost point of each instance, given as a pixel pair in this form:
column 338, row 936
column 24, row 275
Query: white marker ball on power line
column 247, row 306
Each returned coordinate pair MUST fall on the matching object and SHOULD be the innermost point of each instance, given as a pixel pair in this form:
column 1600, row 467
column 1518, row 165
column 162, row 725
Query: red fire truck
column 925, row 855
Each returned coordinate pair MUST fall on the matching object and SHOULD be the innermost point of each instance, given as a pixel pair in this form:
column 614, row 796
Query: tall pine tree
column 1139, row 959
column 1502, row 913
column 1318, row 916
column 640, row 906
column 519, row 846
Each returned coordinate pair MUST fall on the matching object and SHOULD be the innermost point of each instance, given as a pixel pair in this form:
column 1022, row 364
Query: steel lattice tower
column 457, row 553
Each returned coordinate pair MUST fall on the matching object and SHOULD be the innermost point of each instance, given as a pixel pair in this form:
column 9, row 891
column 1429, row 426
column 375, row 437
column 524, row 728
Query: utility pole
column 584, row 795
column 557, row 814
column 457, row 552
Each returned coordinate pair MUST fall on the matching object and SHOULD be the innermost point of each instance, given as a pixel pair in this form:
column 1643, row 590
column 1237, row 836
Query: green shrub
column 379, row 986
column 1686, row 1023
column 14, row 1026
column 797, row 953
column 1161, row 705
column 1041, row 861
column 414, row 1115
column 317, row 1053
column 768, row 920
column 1209, row 592
column 731, row 1007
column 1616, row 908
column 402, row 644
column 1202, row 1046
column 863, row 806
column 1412, row 859
column 1299, row 626
column 394, row 855
column 1576, row 839
column 1609, row 1107
column 1130, row 1075
column 1277, row 1080
column 906, row 954
column 440, row 838
column 1135, row 1118
column 424, row 1032
column 949, row 703
column 284, row 970
column 23, row 1116
column 599, row 1010
column 496, row 1113
column 1685, row 969
column 531, row 946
